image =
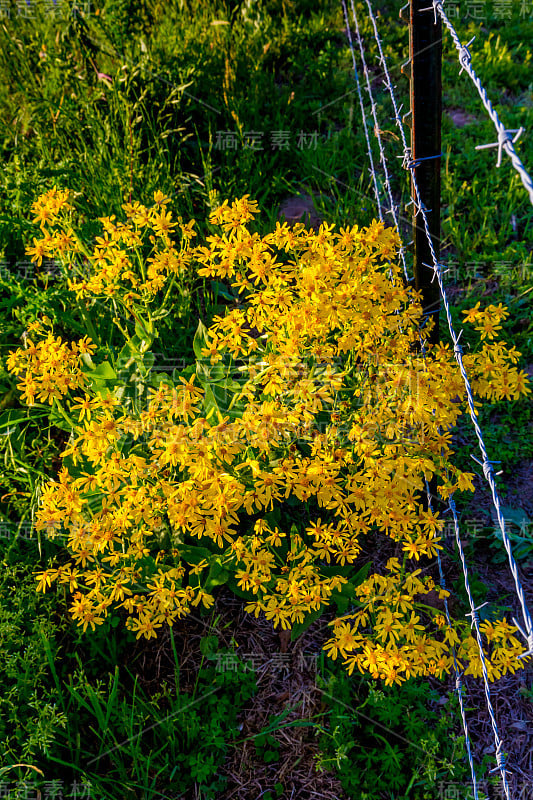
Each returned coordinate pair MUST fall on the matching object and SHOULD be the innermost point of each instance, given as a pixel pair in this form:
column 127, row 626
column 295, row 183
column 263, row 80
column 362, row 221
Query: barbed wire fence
column 505, row 144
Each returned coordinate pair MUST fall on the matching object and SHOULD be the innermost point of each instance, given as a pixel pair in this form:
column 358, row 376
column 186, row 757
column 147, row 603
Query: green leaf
column 145, row 330
column 200, row 340
column 346, row 570
column 361, row 575
column 273, row 517
column 341, row 601
column 208, row 645
column 203, row 371
column 221, row 290
column 218, row 574
column 134, row 351
column 193, row 555
column 188, row 372
column 148, row 361
column 87, row 360
column 512, row 516
column 345, row 594
column 336, row 569
column 12, row 417
column 104, row 372
column 232, row 584
column 156, row 378
column 141, row 344
column 301, row 627
column 294, row 533
column 210, row 405
column 217, row 372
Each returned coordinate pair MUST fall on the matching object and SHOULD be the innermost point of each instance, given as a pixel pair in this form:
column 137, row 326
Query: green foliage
column 519, row 529
column 391, row 743
column 30, row 714
column 266, row 747
column 70, row 717
column 172, row 740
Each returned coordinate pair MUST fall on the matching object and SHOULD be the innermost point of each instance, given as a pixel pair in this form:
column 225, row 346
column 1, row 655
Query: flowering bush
column 304, row 434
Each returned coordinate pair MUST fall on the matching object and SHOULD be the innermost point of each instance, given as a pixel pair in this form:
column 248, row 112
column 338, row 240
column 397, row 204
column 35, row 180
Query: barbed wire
column 408, row 160
column 505, row 140
column 376, row 131
column 392, row 205
column 363, row 115
column 458, row 674
column 486, row 464
column 500, row 755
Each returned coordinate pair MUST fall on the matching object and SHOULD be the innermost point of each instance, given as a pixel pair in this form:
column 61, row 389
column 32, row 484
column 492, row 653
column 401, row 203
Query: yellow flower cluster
column 48, row 206
column 399, row 647
column 120, row 264
column 336, row 421
column 50, row 367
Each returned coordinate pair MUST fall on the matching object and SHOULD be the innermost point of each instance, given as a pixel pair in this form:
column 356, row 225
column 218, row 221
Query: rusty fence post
column 425, row 55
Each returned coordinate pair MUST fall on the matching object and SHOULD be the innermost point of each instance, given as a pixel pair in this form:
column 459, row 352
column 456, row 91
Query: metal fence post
column 425, row 53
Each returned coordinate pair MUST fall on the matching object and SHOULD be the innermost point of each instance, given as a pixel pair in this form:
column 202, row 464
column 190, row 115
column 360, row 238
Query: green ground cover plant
column 392, row 741
column 65, row 719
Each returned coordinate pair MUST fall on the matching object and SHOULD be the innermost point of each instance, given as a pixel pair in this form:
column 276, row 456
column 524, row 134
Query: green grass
column 145, row 96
